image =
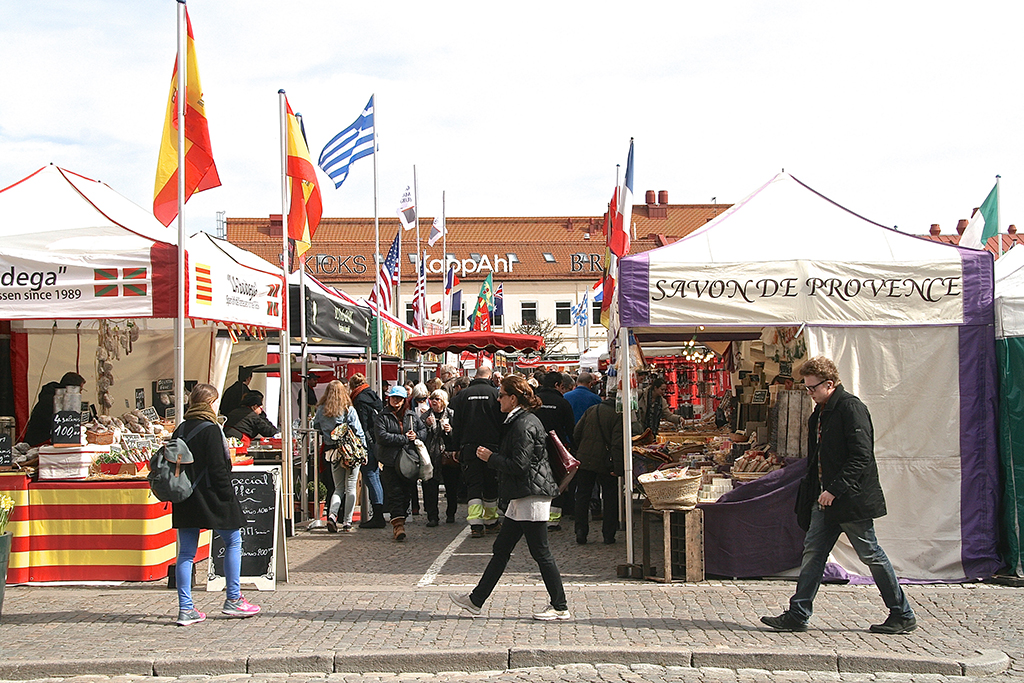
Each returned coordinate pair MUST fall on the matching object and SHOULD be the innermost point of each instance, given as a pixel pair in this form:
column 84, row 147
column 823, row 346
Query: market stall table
column 82, row 531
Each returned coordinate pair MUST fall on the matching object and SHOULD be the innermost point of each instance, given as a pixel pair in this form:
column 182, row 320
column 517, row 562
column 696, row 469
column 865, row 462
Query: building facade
column 545, row 266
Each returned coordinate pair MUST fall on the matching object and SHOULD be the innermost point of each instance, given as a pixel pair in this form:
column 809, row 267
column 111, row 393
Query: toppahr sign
column 802, row 291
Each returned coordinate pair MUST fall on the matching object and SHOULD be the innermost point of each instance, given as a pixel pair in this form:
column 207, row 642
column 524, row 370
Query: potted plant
column 319, row 511
column 6, row 506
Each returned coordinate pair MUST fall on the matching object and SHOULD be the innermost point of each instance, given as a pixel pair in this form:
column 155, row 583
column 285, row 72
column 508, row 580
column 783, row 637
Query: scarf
column 357, row 390
column 201, row 411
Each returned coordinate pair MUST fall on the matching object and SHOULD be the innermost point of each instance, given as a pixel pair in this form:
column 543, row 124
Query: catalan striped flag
column 305, row 207
column 204, row 284
column 348, row 146
column 200, row 171
column 386, row 277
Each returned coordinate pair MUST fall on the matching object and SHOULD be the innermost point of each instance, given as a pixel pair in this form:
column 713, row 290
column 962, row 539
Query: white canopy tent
column 908, row 322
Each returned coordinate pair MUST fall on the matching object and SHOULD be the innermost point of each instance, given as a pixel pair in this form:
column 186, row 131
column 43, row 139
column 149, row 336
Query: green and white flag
column 984, row 223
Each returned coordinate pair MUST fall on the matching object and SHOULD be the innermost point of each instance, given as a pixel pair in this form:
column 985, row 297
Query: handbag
column 563, row 464
column 350, row 451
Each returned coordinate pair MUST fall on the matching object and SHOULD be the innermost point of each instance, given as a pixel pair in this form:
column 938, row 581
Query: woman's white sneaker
column 552, row 614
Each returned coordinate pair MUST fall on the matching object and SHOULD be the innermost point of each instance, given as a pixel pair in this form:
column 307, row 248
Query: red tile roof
column 528, row 238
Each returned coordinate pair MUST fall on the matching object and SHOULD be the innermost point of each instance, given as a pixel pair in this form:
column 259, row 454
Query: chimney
column 663, row 196
column 935, row 230
column 568, row 224
column 273, row 226
column 650, row 197
column 1012, row 230
column 961, row 225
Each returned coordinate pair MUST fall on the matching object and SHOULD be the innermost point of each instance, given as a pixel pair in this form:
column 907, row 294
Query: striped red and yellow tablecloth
column 88, row 531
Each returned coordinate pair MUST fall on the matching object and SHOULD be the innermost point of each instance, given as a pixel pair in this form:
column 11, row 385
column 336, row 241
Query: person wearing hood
column 40, row 422
column 398, row 426
column 368, row 406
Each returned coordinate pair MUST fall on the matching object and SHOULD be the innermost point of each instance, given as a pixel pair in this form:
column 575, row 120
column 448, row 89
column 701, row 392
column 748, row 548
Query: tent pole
column 627, row 441
column 284, row 345
column 179, row 320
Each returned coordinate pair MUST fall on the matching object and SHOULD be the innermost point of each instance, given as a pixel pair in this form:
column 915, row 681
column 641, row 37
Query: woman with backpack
column 212, row 505
column 335, row 408
column 397, row 430
column 368, row 405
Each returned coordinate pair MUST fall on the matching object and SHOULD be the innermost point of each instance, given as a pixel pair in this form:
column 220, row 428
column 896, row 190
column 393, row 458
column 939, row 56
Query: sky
column 901, row 111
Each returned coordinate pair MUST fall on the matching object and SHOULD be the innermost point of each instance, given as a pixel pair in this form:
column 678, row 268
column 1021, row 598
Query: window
column 496, row 319
column 596, row 316
column 459, row 315
column 412, row 258
column 409, row 317
column 549, row 257
column 529, row 311
column 563, row 313
column 475, row 257
column 512, row 258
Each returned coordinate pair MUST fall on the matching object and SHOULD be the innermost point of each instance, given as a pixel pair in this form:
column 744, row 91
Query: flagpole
column 446, row 315
column 284, row 336
column 999, row 219
column 179, row 320
column 379, row 379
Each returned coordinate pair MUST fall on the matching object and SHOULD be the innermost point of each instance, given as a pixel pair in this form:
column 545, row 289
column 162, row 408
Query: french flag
column 451, row 281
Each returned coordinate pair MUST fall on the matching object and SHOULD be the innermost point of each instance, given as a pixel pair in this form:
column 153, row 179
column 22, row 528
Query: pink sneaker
column 240, row 608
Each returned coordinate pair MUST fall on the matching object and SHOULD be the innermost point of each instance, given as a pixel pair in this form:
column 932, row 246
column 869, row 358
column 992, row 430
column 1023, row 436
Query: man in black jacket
column 232, row 398
column 555, row 413
column 476, row 421
column 840, row 494
column 249, row 419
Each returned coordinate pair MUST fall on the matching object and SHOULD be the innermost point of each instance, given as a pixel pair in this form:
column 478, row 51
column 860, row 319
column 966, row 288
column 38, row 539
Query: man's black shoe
column 894, row 625
column 581, row 539
column 785, row 622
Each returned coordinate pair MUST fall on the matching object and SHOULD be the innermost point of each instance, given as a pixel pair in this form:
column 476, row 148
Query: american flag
column 386, row 278
column 419, row 298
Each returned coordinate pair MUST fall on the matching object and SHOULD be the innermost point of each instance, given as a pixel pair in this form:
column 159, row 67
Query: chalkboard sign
column 5, row 448
column 164, row 385
column 151, row 414
column 258, row 489
column 760, row 397
column 67, row 428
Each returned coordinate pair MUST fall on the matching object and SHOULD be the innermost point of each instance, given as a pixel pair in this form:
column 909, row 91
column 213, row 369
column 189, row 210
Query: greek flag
column 355, row 142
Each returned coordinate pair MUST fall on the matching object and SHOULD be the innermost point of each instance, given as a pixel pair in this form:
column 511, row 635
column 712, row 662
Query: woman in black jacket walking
column 526, row 482
column 212, row 505
column 397, row 429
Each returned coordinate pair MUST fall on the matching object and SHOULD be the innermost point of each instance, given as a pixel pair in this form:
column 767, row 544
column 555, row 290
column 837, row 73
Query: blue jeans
column 371, row 479
column 188, row 544
column 818, row 543
column 537, row 539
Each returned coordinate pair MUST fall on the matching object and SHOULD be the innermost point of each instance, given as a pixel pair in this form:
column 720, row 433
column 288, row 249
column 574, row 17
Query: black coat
column 40, row 422
column 846, row 452
column 391, row 436
column 368, row 406
column 245, row 421
column 232, row 397
column 213, row 504
column 477, row 417
column 556, row 414
column 522, row 460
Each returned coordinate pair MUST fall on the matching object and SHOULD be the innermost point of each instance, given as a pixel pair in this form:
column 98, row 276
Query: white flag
column 407, row 209
column 437, row 231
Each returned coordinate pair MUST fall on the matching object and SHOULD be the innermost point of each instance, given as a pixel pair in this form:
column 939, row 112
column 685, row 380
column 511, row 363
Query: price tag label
column 67, row 428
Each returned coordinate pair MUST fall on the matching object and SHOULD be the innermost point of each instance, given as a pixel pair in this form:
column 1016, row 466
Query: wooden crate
column 682, row 533
column 790, row 423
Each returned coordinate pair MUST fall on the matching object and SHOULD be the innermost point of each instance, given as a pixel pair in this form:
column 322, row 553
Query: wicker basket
column 99, row 438
column 672, row 494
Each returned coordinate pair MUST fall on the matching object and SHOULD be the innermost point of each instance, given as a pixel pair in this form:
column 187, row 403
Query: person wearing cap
column 232, row 397
column 248, row 419
column 397, row 428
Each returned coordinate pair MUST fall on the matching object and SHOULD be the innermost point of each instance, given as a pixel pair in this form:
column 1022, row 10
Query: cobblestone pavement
column 361, row 595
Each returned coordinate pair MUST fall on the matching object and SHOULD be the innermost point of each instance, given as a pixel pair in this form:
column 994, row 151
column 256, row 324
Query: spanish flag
column 305, row 206
column 200, row 171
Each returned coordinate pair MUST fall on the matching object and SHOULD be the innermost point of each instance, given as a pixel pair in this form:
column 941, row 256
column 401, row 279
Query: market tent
column 73, row 248
column 909, row 324
column 1009, row 303
column 330, row 317
column 475, row 342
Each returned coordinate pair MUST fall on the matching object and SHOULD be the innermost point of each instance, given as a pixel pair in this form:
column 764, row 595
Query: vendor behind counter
column 654, row 408
column 248, row 420
column 40, row 422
